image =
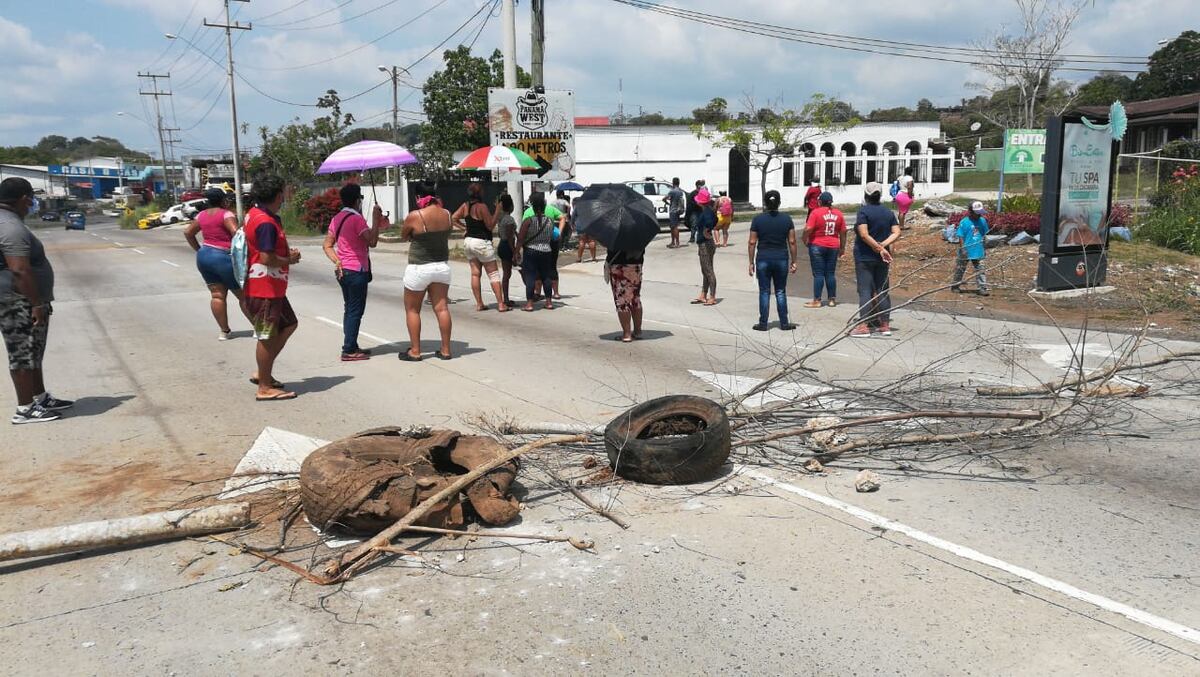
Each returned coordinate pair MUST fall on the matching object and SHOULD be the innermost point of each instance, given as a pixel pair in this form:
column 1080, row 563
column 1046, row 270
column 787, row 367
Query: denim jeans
column 960, row 268
column 354, row 295
column 873, row 299
column 824, row 269
column 772, row 271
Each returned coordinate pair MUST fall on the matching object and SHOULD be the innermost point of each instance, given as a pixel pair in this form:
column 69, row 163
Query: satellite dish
column 976, row 126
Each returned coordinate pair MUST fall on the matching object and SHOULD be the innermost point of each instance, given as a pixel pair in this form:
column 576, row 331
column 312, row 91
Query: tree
column 1171, row 70
column 714, row 112
column 779, row 135
column 330, row 131
column 456, row 104
column 926, row 111
column 1022, row 65
column 288, row 152
column 1104, row 89
column 840, row 111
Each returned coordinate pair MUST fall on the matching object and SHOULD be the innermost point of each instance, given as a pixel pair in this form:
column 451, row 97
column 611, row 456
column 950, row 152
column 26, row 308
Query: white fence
column 845, row 175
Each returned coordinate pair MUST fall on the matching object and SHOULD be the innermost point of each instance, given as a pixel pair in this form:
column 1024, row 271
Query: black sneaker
column 52, row 403
column 34, row 413
column 956, row 290
column 984, row 292
column 761, row 326
column 787, row 326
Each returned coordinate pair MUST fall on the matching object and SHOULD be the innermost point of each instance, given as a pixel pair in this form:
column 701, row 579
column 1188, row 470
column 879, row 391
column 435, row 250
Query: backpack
column 240, row 256
column 725, row 206
column 894, row 190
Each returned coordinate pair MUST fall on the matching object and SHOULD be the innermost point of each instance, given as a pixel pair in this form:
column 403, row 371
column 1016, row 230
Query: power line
column 873, row 46
column 339, row 22
column 363, row 46
column 482, row 26
column 171, row 44
column 278, row 12
column 308, row 18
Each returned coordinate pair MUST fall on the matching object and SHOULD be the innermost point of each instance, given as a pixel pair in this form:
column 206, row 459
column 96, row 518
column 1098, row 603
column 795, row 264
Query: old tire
column 694, row 452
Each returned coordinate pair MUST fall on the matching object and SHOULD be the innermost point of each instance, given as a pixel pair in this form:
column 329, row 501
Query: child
column 724, row 218
column 971, row 232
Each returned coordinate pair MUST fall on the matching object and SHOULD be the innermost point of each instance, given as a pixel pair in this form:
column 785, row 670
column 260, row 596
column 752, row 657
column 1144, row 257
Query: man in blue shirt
column 876, row 228
column 971, row 231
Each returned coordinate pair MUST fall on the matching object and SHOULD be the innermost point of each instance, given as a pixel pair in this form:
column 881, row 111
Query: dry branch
column 579, row 544
column 1023, row 414
column 1051, row 387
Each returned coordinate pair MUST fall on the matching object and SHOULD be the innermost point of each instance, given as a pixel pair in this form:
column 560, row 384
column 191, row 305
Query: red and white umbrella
column 497, row 157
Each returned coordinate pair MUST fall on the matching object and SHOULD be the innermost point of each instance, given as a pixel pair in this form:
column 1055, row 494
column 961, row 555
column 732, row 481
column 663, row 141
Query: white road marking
column 1136, row 615
column 169, row 263
column 138, row 250
column 105, row 239
column 377, row 339
column 116, row 243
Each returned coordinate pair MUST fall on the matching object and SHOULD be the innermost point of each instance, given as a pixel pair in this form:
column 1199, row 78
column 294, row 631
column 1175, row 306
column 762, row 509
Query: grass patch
column 1013, row 183
column 129, row 221
column 1147, row 255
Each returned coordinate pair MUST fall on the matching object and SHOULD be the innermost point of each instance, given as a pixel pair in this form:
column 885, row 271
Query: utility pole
column 538, row 25
column 162, row 148
column 171, row 141
column 394, row 72
column 237, row 152
column 508, row 22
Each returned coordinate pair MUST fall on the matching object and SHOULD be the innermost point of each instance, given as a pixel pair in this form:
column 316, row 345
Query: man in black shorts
column 26, row 290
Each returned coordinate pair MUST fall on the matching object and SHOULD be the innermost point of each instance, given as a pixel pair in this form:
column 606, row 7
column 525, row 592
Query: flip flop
column 406, row 357
column 444, row 357
column 277, row 383
column 696, row 302
column 503, row 309
column 276, row 396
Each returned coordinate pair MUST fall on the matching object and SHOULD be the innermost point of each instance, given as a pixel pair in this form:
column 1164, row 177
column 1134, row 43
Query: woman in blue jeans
column 772, row 252
column 825, row 237
column 347, row 245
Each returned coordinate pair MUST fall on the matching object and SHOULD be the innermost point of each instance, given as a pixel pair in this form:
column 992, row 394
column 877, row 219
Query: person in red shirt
column 268, row 258
column 825, row 237
column 811, row 196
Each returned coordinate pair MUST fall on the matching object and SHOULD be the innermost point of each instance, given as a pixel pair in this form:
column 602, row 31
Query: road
column 1086, row 564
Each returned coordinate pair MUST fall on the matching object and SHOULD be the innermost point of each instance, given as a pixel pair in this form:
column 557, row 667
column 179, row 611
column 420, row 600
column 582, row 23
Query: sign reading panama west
column 542, row 124
column 1025, row 151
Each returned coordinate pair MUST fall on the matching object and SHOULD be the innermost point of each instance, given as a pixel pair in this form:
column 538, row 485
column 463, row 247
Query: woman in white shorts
column 427, row 230
column 474, row 217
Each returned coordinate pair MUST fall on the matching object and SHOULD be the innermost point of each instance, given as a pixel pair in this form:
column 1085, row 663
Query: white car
column 656, row 192
column 177, row 213
column 194, row 207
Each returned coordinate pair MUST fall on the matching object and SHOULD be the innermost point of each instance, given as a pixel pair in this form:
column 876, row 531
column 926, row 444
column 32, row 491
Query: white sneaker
column 224, row 336
column 52, row 403
column 34, row 413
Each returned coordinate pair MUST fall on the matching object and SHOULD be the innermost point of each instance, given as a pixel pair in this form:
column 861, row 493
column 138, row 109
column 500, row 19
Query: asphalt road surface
column 1084, row 564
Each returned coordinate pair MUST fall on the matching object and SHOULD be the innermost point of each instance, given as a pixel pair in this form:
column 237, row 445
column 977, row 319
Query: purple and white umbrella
column 364, row 155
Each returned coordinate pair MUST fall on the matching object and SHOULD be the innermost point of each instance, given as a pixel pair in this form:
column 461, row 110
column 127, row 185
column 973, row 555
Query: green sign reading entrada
column 1024, row 151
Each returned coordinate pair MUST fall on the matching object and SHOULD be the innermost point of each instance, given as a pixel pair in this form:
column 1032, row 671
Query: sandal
column 696, row 302
column 279, row 395
column 275, row 383
column 832, row 303
column 440, row 356
column 813, row 304
column 405, row 356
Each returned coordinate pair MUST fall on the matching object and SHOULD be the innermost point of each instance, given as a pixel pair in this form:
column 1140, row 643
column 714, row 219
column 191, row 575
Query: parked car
column 150, row 220
column 193, row 194
column 177, row 213
column 50, row 216
column 655, row 191
column 194, row 207
column 76, row 220
column 114, row 213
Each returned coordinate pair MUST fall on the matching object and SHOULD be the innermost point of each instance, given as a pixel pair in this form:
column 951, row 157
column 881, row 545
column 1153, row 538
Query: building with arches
column 842, row 162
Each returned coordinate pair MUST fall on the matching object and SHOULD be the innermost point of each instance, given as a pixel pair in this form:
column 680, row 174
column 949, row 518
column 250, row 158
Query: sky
column 72, row 65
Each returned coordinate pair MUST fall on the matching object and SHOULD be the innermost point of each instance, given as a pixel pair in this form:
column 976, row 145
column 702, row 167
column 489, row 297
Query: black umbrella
column 616, row 215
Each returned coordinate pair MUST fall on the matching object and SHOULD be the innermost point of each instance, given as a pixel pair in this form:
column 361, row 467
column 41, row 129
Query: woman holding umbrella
column 623, row 270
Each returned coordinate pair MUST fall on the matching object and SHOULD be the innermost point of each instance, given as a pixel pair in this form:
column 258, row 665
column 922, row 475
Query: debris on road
column 124, row 531
column 813, row 466
column 866, row 482
column 825, row 436
column 941, row 208
column 677, row 439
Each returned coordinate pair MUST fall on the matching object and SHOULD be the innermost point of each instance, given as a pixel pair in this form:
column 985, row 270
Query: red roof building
column 591, row 121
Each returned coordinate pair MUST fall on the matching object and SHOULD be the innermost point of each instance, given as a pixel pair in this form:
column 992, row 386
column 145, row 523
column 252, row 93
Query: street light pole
column 237, row 151
column 508, row 23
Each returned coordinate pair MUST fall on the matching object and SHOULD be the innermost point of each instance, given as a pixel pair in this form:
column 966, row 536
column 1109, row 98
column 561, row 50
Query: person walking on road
column 506, row 230
column 623, row 270
column 427, row 230
column 26, row 292
column 269, row 259
column 904, row 195
column 676, row 208
column 876, row 228
column 812, row 197
column 706, row 223
column 217, row 224
column 772, row 251
column 348, row 244
column 479, row 222
column 971, row 230
column 536, row 238
column 825, row 238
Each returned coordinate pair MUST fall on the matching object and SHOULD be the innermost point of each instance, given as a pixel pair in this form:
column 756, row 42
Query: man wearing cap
column 876, row 228
column 971, row 232
column 26, row 290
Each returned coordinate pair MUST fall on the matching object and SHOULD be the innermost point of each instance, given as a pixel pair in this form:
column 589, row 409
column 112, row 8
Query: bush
column 1188, row 149
column 1027, row 203
column 1174, row 218
column 319, row 210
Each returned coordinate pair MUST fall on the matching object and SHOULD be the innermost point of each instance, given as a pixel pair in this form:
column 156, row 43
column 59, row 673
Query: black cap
column 14, row 188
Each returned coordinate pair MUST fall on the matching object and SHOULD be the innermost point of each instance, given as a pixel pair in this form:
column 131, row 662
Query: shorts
column 418, row 276
column 270, row 316
column 479, row 249
column 26, row 342
column 724, row 220
column 216, row 267
column 903, row 201
column 674, row 219
column 504, row 251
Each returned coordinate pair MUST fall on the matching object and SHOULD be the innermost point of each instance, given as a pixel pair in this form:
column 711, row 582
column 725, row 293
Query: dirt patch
column 90, row 484
column 673, row 426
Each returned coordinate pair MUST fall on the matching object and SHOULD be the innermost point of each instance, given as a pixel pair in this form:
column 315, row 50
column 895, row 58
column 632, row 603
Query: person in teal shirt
column 971, row 232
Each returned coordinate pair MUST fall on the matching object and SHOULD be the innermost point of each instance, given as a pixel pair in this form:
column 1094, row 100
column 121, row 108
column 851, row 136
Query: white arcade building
column 842, row 162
